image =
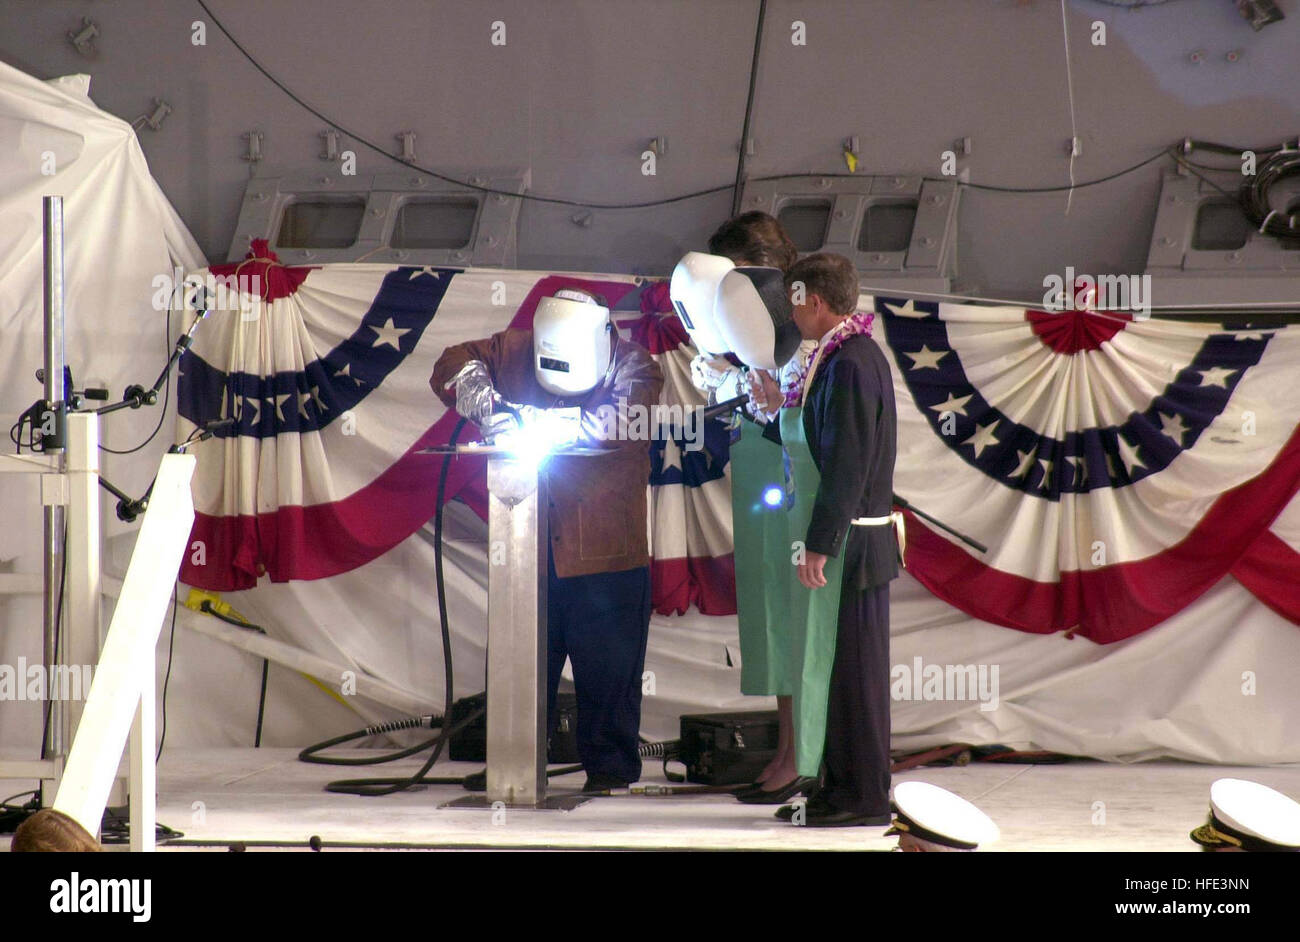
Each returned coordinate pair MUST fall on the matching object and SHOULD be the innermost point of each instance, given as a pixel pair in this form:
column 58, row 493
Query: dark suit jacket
column 851, row 425
column 597, row 510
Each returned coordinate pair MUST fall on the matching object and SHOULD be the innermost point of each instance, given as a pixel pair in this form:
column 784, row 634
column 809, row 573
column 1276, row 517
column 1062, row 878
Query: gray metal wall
column 582, row 85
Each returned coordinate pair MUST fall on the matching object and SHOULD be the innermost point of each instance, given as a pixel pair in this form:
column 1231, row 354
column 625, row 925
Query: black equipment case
column 728, row 748
column 470, row 744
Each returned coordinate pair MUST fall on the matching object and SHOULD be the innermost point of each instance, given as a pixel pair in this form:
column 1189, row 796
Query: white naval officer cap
column 936, row 816
column 1251, row 817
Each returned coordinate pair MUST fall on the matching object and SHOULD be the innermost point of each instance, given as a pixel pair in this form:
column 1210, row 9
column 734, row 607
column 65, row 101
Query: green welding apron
column 814, row 612
column 762, row 554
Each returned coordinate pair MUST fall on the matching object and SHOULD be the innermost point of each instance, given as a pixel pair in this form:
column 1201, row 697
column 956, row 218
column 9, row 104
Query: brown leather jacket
column 597, row 509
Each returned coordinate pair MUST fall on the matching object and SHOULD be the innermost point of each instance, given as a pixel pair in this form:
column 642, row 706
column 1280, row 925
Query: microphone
column 207, row 430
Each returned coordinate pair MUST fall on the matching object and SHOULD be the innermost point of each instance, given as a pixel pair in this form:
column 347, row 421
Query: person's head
column 573, row 342
column 823, row 291
column 911, row 844
column 754, row 238
column 49, row 830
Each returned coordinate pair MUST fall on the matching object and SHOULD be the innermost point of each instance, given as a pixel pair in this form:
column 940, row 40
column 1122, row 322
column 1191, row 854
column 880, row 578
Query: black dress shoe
column 786, row 813
column 819, row 813
column 758, row 796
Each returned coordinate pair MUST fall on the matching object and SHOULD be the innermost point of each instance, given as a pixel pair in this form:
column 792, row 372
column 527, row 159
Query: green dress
column 815, row 613
column 762, row 554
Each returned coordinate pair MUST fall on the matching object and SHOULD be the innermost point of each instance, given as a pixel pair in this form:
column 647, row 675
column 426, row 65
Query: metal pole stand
column 518, row 548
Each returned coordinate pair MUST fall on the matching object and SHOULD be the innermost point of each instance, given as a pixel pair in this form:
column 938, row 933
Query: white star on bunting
column 1172, row 425
column 1215, row 376
column 926, row 359
column 1026, row 459
column 426, row 270
column 346, row 373
column 906, row 310
column 1078, row 470
column 952, row 404
column 390, row 335
column 984, row 436
column 1129, row 454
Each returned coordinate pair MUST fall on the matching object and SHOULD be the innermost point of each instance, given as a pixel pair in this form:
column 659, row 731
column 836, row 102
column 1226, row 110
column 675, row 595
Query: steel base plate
column 566, row 801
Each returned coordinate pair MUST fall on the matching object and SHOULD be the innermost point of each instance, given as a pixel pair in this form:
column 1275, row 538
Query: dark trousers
column 857, row 719
column 600, row 623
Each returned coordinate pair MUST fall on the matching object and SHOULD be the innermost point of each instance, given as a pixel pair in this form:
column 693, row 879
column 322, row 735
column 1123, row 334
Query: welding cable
column 377, row 787
column 1280, row 224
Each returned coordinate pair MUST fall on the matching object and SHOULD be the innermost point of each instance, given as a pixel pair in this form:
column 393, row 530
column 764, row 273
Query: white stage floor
column 266, row 795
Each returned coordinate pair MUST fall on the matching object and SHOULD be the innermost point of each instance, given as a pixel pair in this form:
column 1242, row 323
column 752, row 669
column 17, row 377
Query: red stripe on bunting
column 1269, row 570
column 1118, row 601
column 707, row 582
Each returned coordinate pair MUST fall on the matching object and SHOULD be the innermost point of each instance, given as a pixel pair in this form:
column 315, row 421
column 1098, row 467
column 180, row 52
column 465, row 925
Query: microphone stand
column 135, row 395
column 902, row 503
column 128, row 508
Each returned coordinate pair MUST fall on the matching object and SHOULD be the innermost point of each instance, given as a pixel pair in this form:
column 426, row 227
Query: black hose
column 412, row 722
column 206, row 607
column 261, row 704
column 1280, row 224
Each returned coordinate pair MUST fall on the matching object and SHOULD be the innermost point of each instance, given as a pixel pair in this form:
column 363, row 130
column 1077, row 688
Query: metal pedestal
column 516, row 650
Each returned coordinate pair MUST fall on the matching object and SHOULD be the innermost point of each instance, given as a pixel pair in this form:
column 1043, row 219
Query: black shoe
column 600, row 783
column 819, row 813
column 476, row 781
column 758, row 796
column 787, row 813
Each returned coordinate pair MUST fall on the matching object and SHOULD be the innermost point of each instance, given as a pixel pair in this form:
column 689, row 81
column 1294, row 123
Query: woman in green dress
column 760, row 531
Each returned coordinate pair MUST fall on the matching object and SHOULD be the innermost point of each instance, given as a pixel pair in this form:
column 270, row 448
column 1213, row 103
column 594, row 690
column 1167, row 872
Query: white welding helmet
column 755, row 318
column 693, row 289
column 572, row 335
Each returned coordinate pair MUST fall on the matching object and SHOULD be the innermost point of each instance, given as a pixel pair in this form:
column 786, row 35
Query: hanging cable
column 1280, row 224
column 643, row 204
column 167, row 390
column 749, row 110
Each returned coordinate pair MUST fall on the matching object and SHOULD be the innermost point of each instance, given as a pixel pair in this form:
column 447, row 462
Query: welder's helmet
column 572, row 342
column 755, row 318
column 693, row 290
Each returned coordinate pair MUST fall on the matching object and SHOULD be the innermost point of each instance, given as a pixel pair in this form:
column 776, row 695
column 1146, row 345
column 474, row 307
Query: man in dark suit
column 849, row 421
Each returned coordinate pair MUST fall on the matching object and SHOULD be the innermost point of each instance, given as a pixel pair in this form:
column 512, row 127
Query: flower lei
column 857, row 323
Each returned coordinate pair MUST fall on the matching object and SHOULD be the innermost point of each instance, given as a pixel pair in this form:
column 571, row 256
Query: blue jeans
column 600, row 623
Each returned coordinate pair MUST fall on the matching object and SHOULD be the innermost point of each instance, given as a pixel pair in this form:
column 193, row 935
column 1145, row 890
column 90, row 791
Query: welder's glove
column 476, row 397
column 709, row 372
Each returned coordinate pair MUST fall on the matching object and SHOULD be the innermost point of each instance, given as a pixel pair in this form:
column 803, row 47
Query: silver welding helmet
column 572, row 342
column 693, row 290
